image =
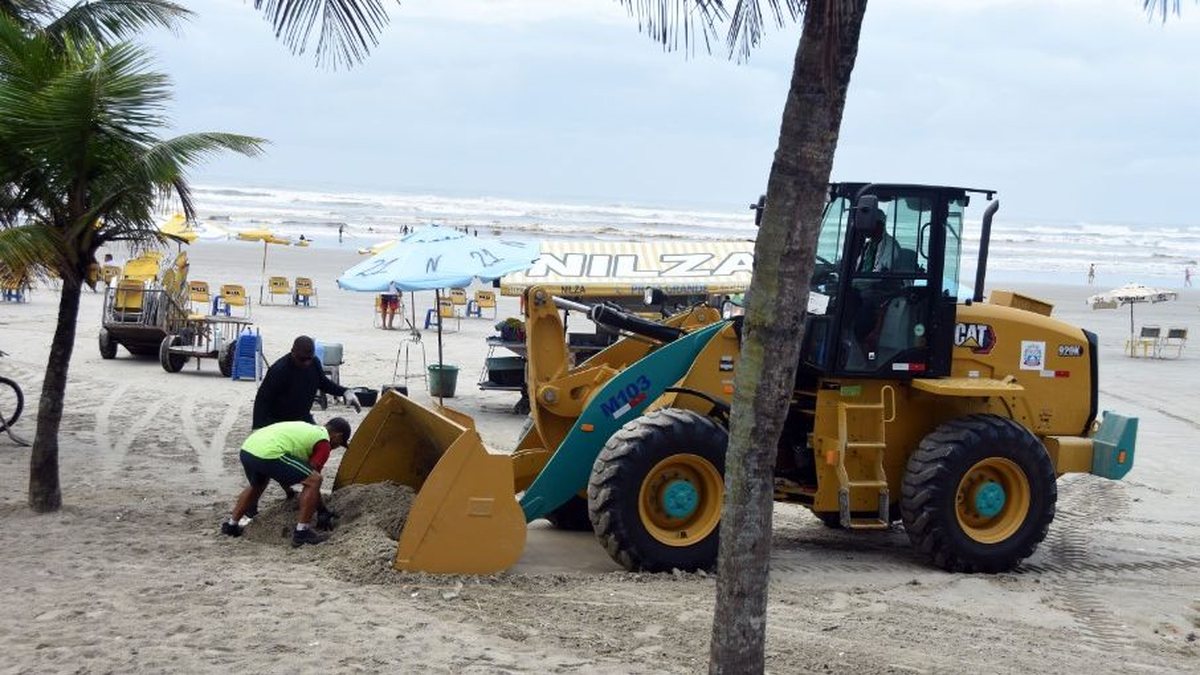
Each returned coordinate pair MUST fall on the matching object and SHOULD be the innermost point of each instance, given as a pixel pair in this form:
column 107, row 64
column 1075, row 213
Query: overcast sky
column 1076, row 110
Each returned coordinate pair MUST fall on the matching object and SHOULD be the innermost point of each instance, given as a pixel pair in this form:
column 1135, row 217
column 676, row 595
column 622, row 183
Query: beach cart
column 203, row 337
column 138, row 318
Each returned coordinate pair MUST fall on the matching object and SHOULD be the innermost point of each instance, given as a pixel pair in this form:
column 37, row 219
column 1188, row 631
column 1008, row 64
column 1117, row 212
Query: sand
column 132, row 574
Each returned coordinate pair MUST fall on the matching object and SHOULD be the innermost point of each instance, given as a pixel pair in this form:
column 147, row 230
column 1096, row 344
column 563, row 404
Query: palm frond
column 678, row 24
column 1161, row 8
column 346, row 32
column 30, row 250
column 746, row 25
column 107, row 22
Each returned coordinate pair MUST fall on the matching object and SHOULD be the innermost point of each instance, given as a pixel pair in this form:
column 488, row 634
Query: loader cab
column 886, row 281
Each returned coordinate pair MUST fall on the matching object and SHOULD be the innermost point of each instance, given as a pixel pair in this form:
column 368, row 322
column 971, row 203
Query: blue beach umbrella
column 433, row 258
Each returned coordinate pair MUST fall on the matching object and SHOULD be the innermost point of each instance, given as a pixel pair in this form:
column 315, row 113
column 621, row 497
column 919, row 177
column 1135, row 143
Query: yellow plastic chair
column 306, row 293
column 458, row 296
column 143, row 268
column 446, row 310
column 234, row 295
column 278, row 286
column 198, row 294
column 128, row 300
column 483, row 300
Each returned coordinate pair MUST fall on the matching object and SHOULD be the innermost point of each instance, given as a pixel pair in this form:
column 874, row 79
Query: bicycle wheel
column 12, row 402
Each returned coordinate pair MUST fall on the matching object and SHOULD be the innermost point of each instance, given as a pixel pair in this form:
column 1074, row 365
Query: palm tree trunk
column 783, row 262
column 45, row 495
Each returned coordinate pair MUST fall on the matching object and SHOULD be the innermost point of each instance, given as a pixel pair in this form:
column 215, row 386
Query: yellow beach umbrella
column 179, row 228
column 267, row 237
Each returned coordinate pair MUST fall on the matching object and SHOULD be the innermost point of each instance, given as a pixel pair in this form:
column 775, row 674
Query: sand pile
column 363, row 543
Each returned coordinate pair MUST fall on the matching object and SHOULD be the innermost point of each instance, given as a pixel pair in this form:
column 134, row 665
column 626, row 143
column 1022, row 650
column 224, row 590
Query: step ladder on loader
column 862, row 442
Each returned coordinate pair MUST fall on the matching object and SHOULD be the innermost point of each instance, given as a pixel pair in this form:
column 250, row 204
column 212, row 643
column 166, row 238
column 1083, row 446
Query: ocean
column 1019, row 251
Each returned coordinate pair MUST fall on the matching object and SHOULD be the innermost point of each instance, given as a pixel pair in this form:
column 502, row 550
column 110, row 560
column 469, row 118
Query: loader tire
column 571, row 516
column 655, row 492
column 979, row 494
column 108, row 346
column 172, row 363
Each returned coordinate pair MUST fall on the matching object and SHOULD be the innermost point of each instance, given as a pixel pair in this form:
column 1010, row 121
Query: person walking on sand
column 1187, row 276
column 341, row 231
column 1091, row 274
column 388, row 304
column 289, row 452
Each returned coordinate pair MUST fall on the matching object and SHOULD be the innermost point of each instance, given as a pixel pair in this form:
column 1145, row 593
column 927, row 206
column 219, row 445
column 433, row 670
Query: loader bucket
column 465, row 518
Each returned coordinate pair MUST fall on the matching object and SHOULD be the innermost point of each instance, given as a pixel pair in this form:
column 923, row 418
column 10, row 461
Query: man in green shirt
column 289, row 452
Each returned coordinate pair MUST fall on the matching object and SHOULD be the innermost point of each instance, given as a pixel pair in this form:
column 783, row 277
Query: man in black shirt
column 290, row 385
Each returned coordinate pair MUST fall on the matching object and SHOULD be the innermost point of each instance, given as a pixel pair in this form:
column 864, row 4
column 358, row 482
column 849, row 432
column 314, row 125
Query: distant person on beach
column 1091, row 274
column 291, row 383
column 291, row 453
column 388, row 304
column 341, row 231
column 1187, row 276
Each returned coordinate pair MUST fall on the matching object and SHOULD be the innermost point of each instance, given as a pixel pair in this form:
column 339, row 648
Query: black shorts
column 287, row 470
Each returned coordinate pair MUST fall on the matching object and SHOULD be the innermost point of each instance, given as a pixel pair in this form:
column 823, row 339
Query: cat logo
column 978, row 337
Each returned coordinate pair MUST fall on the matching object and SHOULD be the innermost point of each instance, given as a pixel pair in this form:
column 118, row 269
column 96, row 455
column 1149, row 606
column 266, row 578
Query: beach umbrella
column 1130, row 294
column 433, row 258
column 267, row 237
column 377, row 248
column 177, row 227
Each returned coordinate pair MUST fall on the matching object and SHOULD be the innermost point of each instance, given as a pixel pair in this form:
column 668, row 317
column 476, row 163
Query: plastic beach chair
column 306, row 293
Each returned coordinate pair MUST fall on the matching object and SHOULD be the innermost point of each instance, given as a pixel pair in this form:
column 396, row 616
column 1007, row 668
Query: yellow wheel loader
column 954, row 417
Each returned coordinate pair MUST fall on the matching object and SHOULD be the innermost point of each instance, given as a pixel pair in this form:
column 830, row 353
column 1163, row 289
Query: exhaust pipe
column 985, row 236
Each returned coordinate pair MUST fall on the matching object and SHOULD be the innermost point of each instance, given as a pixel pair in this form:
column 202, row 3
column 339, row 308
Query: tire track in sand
column 114, row 451
column 210, row 453
column 1080, row 505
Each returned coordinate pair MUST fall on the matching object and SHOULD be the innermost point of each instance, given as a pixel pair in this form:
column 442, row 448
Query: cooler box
column 508, row 371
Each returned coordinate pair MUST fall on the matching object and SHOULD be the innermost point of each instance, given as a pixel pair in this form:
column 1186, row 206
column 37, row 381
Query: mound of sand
column 362, row 545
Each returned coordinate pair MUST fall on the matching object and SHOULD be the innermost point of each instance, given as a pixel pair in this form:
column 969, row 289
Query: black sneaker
column 309, row 536
column 231, row 529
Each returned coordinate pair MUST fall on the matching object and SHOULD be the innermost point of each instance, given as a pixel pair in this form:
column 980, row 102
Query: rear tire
column 108, row 346
column 979, row 494
column 655, row 492
column 172, row 363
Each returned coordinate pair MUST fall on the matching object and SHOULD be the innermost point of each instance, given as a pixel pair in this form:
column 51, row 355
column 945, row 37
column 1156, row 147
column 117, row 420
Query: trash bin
column 442, row 380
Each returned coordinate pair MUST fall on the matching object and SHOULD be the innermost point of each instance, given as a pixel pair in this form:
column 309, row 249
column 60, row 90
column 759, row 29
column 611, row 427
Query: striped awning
column 608, row 268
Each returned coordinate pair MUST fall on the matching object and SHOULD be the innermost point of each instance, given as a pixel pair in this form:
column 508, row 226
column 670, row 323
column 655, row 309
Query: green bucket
column 442, row 380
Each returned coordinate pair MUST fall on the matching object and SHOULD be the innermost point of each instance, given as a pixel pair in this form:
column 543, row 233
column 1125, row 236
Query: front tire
column 979, row 494
column 656, row 489
column 108, row 346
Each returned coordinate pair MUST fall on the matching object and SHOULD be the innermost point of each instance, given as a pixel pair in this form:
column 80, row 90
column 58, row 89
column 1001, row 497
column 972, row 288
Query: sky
column 1075, row 110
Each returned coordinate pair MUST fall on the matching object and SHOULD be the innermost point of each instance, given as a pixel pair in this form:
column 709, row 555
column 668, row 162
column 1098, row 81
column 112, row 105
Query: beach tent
column 581, row 268
column 433, row 258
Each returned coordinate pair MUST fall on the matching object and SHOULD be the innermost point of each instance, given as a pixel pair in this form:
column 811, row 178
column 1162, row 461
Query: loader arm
column 620, row 400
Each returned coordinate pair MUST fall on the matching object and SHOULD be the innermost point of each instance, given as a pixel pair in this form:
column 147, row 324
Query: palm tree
column 81, row 165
